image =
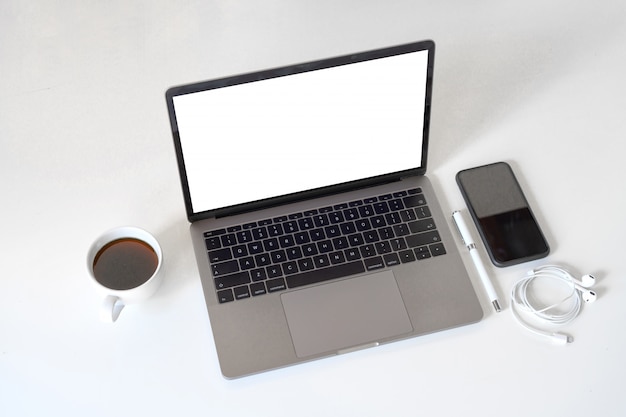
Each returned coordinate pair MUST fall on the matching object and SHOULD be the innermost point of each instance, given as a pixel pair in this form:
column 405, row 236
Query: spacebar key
column 325, row 274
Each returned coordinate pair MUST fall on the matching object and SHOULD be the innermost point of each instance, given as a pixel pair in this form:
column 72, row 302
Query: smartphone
column 502, row 215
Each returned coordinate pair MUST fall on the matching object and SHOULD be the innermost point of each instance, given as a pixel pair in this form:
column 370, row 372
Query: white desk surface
column 85, row 146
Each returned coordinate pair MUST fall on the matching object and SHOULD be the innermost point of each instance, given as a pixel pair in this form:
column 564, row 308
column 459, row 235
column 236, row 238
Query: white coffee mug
column 125, row 266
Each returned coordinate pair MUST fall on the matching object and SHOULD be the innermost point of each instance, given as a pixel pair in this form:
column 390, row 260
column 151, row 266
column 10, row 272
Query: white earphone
column 579, row 292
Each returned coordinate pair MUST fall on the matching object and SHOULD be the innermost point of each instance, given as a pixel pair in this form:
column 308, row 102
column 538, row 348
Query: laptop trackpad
column 345, row 314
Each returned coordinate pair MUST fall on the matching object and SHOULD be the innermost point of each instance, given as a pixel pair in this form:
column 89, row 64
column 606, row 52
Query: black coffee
column 124, row 264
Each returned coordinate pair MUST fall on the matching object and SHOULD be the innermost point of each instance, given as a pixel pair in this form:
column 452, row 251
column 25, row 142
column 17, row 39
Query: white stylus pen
column 478, row 263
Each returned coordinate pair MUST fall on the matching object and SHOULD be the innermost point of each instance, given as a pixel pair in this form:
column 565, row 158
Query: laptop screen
column 280, row 132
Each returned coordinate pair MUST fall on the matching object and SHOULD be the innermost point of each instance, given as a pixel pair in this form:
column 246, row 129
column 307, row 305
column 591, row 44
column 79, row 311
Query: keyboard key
column 239, row 251
column 401, row 229
column 225, row 296
column 263, row 259
column 393, row 218
column 423, row 239
column 337, row 258
column 321, row 261
column 321, row 220
column 275, row 230
column 242, row 292
column 306, row 264
column 260, row 233
column 220, row 255
column 278, row 256
column 367, row 251
column 437, row 249
column 270, row 244
column 382, row 248
column 277, row 284
column 255, row 247
column 247, row 263
column 406, row 256
column 381, row 208
column 378, row 221
column 372, row 264
column 302, row 237
column 291, row 227
column 229, row 240
column 286, row 241
column 258, row 274
column 371, row 236
column 396, row 205
column 290, row 267
column 216, row 232
column 213, row 243
column 352, row 254
column 408, row 215
column 306, row 223
column 386, row 233
column 366, row 211
column 294, row 253
column 422, row 212
column 274, row 271
column 348, row 228
column 398, row 244
column 325, row 274
column 225, row 268
column 332, row 231
column 422, row 252
column 414, row 200
column 340, row 243
column 391, row 259
column 317, row 234
column 232, row 280
column 351, row 214
column 356, row 239
column 336, row 217
column 419, row 226
column 258, row 288
column 309, row 250
column 363, row 224
column 244, row 236
column 325, row 246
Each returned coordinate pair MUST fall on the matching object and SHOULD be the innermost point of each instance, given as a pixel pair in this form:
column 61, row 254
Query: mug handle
column 111, row 309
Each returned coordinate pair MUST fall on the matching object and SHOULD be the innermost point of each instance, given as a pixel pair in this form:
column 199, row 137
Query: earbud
column 588, row 281
column 588, row 295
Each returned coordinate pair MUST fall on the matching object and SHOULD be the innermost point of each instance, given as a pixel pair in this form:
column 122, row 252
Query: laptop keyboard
column 318, row 245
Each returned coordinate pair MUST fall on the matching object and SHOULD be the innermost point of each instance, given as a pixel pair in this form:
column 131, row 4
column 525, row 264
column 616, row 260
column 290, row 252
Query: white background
column 86, row 146
column 320, row 128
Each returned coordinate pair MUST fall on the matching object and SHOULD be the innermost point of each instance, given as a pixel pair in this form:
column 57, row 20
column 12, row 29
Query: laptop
column 315, row 230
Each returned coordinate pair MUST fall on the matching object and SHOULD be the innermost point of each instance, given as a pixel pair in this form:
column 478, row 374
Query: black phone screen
column 502, row 215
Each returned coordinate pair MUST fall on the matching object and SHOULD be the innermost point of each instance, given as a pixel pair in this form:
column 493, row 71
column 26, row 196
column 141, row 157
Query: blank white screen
column 278, row 136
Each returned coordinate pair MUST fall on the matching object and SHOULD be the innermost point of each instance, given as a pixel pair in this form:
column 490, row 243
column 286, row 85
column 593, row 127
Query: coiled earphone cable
column 559, row 313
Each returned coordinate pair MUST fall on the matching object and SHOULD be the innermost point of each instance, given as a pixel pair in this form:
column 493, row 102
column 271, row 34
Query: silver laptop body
column 314, row 228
